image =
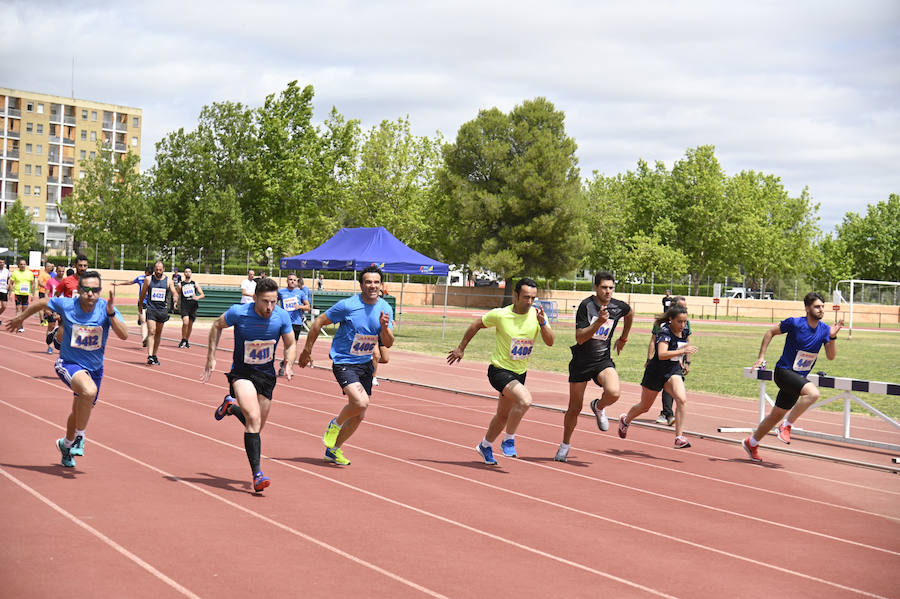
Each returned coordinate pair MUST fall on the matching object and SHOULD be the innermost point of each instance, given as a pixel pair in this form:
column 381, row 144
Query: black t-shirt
column 667, row 302
column 665, row 335
column 596, row 349
column 188, row 291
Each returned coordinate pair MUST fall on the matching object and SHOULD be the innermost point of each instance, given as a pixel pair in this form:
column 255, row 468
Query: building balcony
column 120, row 126
column 67, row 160
column 10, row 196
column 12, row 134
column 69, row 142
column 67, row 181
column 69, row 120
column 54, row 158
column 107, row 124
column 121, row 147
column 55, row 117
column 14, row 112
column 52, row 179
column 12, row 153
column 12, row 176
column 54, row 139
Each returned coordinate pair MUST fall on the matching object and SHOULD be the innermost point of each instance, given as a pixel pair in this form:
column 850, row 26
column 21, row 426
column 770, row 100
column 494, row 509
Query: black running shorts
column 790, row 385
column 262, row 382
column 500, row 377
column 347, row 374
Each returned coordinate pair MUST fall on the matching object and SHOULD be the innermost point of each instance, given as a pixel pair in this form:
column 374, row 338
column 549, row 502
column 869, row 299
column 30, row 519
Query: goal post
column 865, row 291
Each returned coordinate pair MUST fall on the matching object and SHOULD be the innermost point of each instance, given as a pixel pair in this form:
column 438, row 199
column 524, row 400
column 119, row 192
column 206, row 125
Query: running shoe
column 281, row 369
column 222, row 411
column 21, row 330
column 260, row 481
column 487, row 454
column 670, row 420
column 562, row 454
column 509, row 448
column 752, row 452
column 49, row 350
column 78, row 446
column 662, row 419
column 331, row 433
column 600, row 414
column 67, row 460
column 181, row 344
column 187, row 344
column 681, row 442
column 334, row 454
column 56, row 343
column 374, row 381
column 44, row 323
column 623, row 426
column 784, row 433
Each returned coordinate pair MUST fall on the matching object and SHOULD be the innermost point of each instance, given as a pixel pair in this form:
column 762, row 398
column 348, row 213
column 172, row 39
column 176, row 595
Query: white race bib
column 363, row 345
column 291, row 303
column 259, row 351
column 520, row 348
column 157, row 294
column 24, row 288
column 187, row 291
column 679, row 356
column 804, row 361
column 605, row 329
column 86, row 338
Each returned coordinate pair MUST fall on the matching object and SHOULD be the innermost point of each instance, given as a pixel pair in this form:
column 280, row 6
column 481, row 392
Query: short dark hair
column 89, row 274
column 148, row 269
column 812, row 296
column 525, row 282
column 371, row 268
column 70, row 272
column 678, row 298
column 81, row 258
column 604, row 275
column 266, row 284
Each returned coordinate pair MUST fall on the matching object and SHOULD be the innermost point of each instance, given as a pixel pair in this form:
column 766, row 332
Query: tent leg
column 400, row 311
column 446, row 293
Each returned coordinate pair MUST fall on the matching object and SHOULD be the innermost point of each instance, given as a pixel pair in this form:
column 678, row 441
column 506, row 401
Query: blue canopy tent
column 356, row 248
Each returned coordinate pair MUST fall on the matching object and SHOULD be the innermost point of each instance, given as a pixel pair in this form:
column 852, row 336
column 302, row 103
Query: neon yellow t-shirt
column 516, row 334
column 22, row 281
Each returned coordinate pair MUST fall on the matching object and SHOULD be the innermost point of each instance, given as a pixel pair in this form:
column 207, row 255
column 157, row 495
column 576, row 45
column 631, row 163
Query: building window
column 134, row 122
column 28, row 148
column 93, row 115
column 84, row 115
column 38, row 149
column 40, row 128
column 81, row 174
column 27, row 169
column 40, row 109
column 29, row 107
column 37, row 190
column 84, row 135
column 29, row 127
column 93, row 136
column 27, row 191
column 38, row 170
column 93, row 155
column 83, row 154
column 134, row 141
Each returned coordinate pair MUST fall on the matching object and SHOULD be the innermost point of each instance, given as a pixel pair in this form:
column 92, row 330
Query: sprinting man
column 154, row 292
column 139, row 281
column 363, row 319
column 296, row 303
column 805, row 337
column 663, row 371
column 86, row 321
column 189, row 295
column 22, row 280
column 667, row 414
column 595, row 322
column 517, row 326
column 251, row 380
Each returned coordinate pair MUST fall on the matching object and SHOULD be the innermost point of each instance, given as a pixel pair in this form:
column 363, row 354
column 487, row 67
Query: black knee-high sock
column 235, row 410
column 252, row 445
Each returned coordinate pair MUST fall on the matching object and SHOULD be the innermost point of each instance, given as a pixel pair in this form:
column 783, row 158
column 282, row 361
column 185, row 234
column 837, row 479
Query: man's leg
column 609, row 378
column 512, row 405
column 808, row 396
column 151, row 334
column 353, row 413
column 576, row 403
column 157, row 336
column 82, row 405
column 185, row 327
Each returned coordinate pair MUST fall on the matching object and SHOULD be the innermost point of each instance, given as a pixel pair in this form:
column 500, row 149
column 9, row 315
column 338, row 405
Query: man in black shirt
column 595, row 321
column 667, row 301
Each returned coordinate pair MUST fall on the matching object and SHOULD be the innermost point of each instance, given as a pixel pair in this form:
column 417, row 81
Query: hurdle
column 848, row 386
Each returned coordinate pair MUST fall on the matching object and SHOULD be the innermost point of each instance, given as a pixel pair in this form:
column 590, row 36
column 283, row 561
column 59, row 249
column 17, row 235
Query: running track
column 160, row 504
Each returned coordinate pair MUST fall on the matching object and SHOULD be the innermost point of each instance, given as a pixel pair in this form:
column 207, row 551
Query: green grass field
column 717, row 367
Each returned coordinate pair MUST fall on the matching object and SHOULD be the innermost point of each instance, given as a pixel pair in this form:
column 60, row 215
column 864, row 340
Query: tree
column 647, row 254
column 607, row 204
column 511, row 193
column 21, row 230
column 872, row 242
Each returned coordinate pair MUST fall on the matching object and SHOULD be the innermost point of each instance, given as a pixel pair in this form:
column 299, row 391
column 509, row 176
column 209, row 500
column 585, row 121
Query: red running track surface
column 160, row 504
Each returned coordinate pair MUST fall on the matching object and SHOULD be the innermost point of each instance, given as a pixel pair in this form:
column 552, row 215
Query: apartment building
column 46, row 140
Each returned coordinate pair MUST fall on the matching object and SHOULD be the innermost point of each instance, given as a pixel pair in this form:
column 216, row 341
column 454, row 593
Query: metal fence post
column 122, row 257
column 222, row 272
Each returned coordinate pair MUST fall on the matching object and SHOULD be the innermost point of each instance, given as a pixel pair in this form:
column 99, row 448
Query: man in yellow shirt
column 517, row 329
column 22, row 281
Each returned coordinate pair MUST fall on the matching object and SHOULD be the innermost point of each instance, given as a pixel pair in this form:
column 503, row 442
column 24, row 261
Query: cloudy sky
column 806, row 90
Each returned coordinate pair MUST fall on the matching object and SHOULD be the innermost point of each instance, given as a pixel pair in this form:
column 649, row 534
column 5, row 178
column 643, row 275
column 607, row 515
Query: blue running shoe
column 67, row 460
column 335, row 455
column 78, row 446
column 260, row 482
column 509, row 448
column 222, row 410
column 487, row 453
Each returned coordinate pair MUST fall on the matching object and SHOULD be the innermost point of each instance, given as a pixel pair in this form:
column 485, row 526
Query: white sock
column 565, row 446
column 485, row 443
column 507, row 436
column 79, row 433
column 67, row 442
column 787, row 423
column 752, row 442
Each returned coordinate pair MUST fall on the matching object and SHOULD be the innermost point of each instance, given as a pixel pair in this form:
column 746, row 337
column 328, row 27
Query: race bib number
column 187, row 291
column 678, row 357
column 4, row 285
column 363, row 345
column 86, row 338
column 804, row 361
column 605, row 329
column 259, row 351
column 24, row 288
column 520, row 348
column 291, row 303
column 157, row 294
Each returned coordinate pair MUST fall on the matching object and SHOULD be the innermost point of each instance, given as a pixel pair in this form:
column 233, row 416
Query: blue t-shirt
column 801, row 348
column 292, row 300
column 139, row 281
column 256, row 338
column 357, row 335
column 84, row 333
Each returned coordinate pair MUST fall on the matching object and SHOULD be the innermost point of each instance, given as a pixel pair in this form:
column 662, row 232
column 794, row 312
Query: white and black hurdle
column 849, row 387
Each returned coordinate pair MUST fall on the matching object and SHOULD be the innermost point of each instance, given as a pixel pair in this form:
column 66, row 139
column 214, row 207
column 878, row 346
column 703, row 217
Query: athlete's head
column 604, row 285
column 22, row 264
column 250, row 274
column 676, row 316
column 49, row 266
column 148, row 270
column 265, row 296
column 525, row 294
column 2, row 263
column 370, row 279
column 187, row 273
column 815, row 305
column 292, row 281
column 89, row 288
column 60, row 271
column 81, row 264
column 159, row 269
column 680, row 301
column 69, row 272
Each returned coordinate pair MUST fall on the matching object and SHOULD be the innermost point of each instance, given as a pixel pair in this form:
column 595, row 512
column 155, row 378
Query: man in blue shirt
column 86, row 321
column 295, row 302
column 805, row 337
column 364, row 319
column 257, row 328
column 139, row 281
